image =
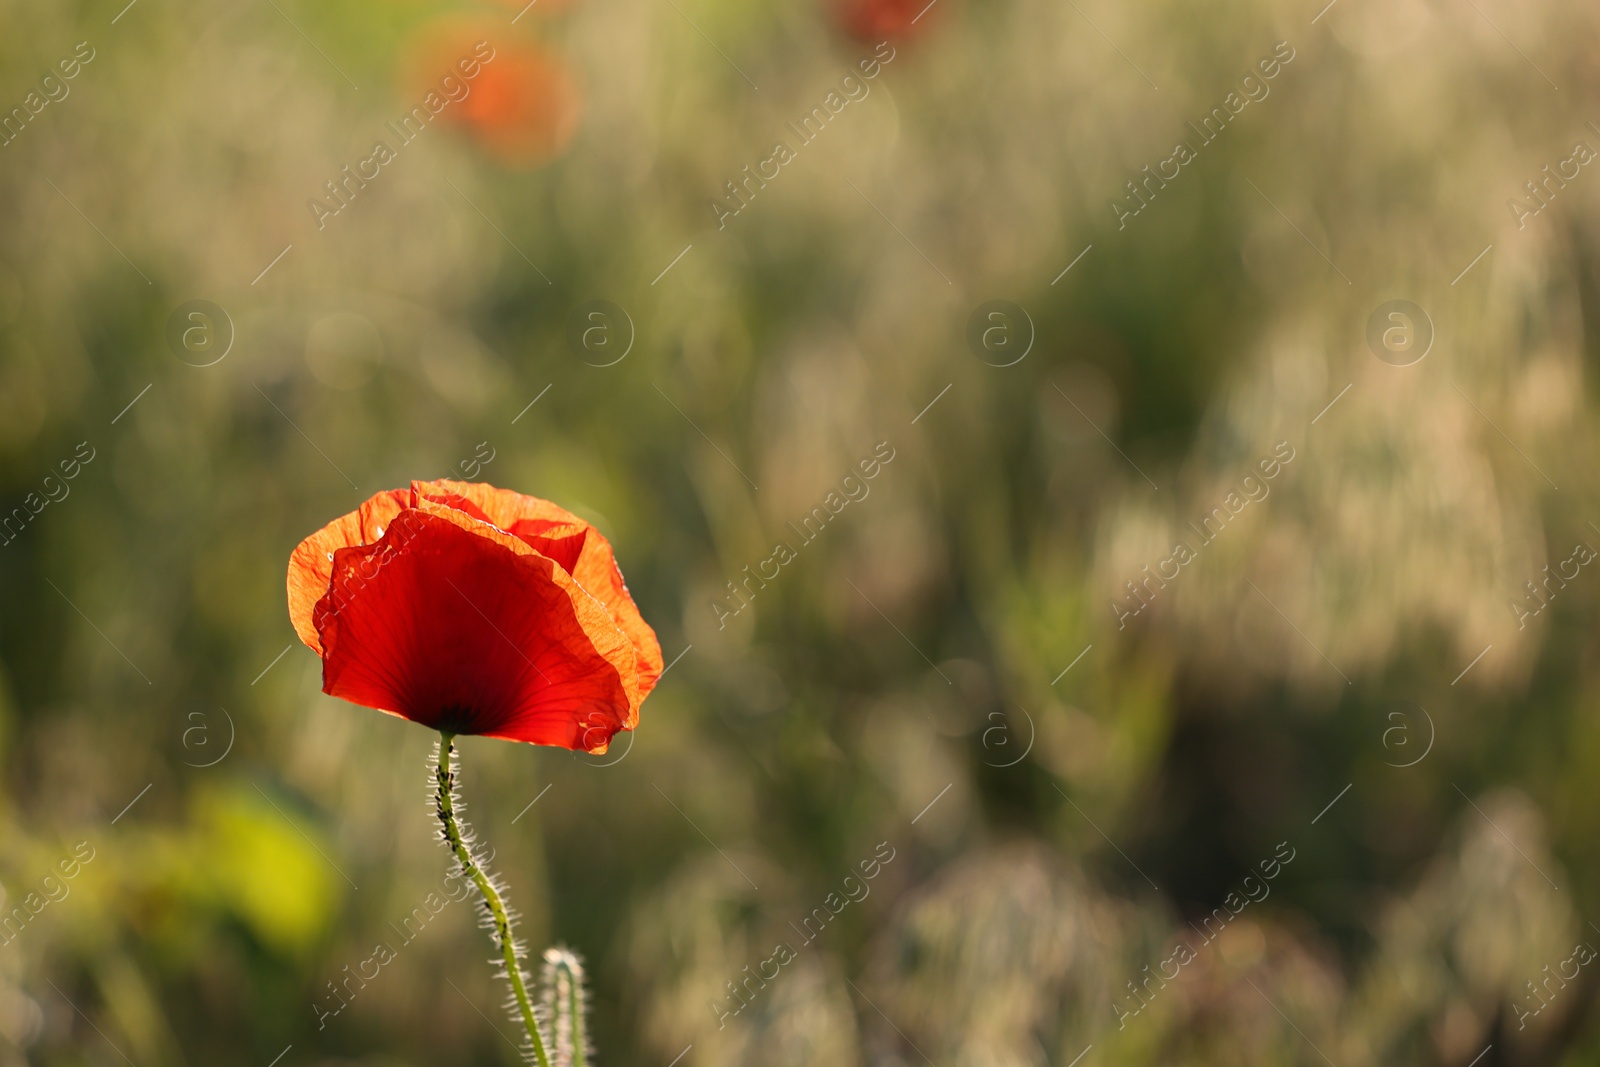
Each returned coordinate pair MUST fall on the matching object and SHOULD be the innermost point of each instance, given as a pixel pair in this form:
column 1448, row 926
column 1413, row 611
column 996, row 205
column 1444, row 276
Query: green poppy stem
column 446, row 778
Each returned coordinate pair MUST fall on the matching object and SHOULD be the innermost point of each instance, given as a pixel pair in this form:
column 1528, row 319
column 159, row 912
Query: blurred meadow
column 1196, row 646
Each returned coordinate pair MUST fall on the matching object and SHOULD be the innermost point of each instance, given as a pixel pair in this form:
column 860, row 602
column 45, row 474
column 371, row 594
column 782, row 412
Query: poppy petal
column 564, row 544
column 461, row 627
column 596, row 570
column 311, row 563
column 537, row 522
column 500, row 507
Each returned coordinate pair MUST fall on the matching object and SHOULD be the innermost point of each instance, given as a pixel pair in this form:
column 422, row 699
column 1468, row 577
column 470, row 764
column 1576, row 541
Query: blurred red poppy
column 525, row 108
column 879, row 20
column 475, row 610
column 522, row 107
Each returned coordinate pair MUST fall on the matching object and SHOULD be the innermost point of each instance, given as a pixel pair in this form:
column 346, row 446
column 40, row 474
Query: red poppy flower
column 522, row 106
column 524, row 109
column 475, row 610
column 878, row 20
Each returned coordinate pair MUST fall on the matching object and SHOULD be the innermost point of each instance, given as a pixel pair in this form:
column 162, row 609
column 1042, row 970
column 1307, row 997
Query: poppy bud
column 565, row 1005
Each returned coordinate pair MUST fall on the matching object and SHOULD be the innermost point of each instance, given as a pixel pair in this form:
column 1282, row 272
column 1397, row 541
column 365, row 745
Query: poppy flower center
column 456, row 719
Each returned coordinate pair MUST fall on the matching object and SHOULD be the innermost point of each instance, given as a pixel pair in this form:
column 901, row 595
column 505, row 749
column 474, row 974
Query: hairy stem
column 446, row 778
column 565, row 1006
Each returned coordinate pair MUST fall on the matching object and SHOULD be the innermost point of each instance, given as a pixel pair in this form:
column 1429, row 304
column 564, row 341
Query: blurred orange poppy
column 524, row 109
column 521, row 106
column 879, row 20
column 475, row 610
